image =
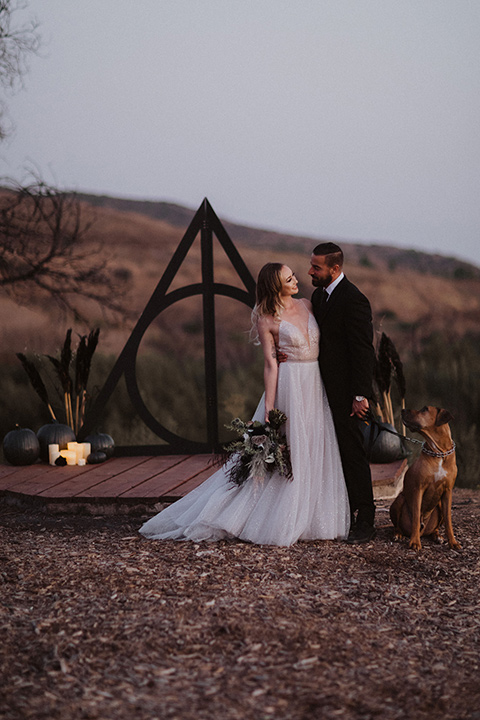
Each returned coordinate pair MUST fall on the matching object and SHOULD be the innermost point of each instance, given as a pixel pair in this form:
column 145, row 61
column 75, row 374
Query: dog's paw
column 455, row 545
column 415, row 544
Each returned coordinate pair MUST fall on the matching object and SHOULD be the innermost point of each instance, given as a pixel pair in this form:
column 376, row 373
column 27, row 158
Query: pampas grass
column 83, row 361
column 36, row 382
column 62, row 369
column 74, row 394
column 388, row 366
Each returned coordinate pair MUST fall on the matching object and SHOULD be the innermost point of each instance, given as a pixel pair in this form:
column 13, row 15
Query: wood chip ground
column 99, row 623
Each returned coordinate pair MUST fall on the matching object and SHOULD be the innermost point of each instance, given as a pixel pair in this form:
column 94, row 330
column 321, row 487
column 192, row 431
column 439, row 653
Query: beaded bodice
column 294, row 343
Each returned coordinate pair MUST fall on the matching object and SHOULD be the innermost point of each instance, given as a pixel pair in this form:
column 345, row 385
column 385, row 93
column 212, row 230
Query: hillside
column 413, row 294
column 359, row 253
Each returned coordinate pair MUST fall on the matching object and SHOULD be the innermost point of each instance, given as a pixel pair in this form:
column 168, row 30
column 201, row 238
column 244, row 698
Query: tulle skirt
column 277, row 511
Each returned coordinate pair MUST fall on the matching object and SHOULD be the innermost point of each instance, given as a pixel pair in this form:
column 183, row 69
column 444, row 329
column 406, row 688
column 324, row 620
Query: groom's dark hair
column 333, row 253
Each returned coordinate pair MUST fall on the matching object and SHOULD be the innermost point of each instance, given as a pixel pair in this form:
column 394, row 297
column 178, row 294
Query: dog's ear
column 443, row 416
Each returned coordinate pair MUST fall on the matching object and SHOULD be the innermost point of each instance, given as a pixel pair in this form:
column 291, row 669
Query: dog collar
column 434, row 453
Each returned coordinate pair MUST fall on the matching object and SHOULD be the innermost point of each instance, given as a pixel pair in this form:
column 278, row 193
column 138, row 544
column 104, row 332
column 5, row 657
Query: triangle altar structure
column 207, row 224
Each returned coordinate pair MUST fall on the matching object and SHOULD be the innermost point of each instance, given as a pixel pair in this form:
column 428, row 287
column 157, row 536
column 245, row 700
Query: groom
column 346, row 365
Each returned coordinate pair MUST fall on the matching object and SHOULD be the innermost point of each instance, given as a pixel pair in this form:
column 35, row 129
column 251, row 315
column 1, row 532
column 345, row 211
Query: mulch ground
column 97, row 622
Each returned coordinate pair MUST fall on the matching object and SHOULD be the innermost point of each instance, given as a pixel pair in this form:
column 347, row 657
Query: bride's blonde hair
column 268, row 302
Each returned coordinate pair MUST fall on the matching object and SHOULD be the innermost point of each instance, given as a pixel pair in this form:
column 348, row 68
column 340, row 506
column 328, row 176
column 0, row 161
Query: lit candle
column 77, row 449
column 53, row 453
column 87, row 449
column 53, row 456
column 70, row 456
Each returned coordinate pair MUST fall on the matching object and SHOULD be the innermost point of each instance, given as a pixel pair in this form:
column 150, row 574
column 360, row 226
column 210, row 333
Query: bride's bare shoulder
column 267, row 324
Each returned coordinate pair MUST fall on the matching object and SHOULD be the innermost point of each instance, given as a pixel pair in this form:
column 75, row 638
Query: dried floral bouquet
column 261, row 450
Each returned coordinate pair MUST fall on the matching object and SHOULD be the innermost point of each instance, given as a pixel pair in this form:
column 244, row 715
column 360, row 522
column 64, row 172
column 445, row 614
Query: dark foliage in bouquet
column 261, row 450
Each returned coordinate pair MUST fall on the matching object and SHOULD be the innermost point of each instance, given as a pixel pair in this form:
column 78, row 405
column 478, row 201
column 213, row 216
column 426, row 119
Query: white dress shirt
column 330, row 288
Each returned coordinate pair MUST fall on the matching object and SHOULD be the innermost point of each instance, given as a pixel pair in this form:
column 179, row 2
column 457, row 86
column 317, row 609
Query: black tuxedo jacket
column 346, row 344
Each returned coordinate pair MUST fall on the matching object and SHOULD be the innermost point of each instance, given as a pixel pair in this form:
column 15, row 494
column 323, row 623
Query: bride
column 278, row 511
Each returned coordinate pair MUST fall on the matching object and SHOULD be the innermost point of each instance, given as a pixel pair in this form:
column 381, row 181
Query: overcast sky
column 353, row 119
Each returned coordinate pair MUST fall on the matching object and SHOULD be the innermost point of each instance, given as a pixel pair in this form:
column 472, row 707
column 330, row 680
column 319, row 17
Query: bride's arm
column 270, row 366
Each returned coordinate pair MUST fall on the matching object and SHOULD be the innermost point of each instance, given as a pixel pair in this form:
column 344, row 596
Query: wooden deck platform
column 125, row 482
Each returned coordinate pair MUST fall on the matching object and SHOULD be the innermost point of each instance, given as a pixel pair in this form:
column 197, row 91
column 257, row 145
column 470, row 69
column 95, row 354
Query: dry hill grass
column 407, row 304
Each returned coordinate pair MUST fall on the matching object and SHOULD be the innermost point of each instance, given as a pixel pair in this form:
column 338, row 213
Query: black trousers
column 356, row 467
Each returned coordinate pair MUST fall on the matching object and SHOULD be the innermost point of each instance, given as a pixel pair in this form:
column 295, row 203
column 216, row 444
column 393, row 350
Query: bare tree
column 43, row 231
column 17, row 43
column 47, row 250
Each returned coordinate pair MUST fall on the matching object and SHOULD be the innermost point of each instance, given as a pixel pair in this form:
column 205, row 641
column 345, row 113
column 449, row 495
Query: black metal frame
column 207, row 223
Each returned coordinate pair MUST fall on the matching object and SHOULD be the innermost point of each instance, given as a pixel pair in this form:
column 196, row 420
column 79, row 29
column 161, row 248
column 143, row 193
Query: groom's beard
column 322, row 282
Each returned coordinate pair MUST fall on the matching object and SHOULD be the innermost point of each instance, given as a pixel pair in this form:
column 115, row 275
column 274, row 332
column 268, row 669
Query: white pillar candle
column 77, row 449
column 87, row 449
column 82, row 462
column 70, row 456
column 53, row 453
column 53, row 456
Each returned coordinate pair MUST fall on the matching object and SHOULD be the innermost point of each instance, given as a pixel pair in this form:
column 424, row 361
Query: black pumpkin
column 21, row 447
column 54, row 434
column 101, row 442
column 96, row 457
column 380, row 444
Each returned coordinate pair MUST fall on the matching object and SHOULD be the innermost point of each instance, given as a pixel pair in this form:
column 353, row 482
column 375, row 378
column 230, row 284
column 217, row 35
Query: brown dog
column 426, row 498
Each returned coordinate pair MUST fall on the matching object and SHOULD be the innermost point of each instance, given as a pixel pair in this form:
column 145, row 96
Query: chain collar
column 434, row 453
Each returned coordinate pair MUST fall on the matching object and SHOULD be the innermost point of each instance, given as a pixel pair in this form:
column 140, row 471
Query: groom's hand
column 360, row 408
column 281, row 357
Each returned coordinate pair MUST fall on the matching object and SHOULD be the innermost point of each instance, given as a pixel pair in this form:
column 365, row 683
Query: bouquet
column 262, row 449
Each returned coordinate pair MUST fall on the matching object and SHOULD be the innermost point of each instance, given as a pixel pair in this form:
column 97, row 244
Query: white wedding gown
column 314, row 505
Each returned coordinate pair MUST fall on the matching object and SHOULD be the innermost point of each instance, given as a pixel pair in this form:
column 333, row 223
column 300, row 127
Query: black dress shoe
column 362, row 532
column 351, row 533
